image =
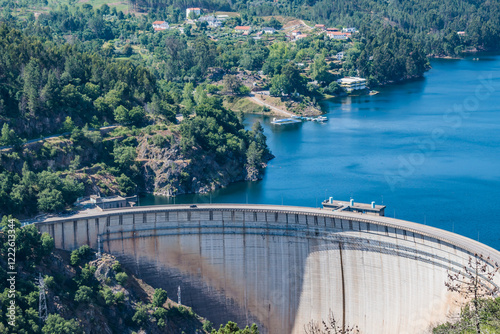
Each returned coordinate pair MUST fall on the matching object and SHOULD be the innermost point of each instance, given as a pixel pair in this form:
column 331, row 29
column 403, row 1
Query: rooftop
column 242, row 28
column 158, row 22
column 107, row 199
column 351, row 206
column 352, row 79
column 355, row 205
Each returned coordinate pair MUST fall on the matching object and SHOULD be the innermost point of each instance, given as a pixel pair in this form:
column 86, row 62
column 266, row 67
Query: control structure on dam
column 283, row 266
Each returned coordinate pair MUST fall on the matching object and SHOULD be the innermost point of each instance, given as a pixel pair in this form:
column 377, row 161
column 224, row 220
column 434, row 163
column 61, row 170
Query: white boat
column 321, row 119
column 285, row 121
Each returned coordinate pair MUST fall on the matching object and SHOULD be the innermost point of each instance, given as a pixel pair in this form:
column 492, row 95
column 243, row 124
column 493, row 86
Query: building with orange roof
column 195, row 10
column 338, row 35
column 243, row 29
column 160, row 25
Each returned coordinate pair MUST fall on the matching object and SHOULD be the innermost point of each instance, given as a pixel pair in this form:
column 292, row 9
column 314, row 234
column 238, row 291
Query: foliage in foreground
column 489, row 319
column 474, row 283
column 330, row 326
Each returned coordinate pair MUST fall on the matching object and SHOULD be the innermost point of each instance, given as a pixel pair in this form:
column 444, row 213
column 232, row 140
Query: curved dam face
column 282, row 267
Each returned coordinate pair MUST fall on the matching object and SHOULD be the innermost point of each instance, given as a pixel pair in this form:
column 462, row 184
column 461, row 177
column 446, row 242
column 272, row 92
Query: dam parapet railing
column 282, row 266
column 489, row 254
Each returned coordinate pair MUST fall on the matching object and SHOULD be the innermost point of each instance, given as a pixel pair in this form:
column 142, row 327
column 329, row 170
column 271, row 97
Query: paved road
column 262, row 103
column 462, row 242
column 58, row 135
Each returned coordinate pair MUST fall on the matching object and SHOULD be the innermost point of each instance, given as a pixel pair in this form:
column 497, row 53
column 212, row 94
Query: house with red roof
column 160, row 25
column 243, row 29
column 338, row 35
column 195, row 10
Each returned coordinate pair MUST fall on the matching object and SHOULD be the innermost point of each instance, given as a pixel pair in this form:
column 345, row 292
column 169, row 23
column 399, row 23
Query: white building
column 351, row 30
column 268, row 30
column 340, row 56
column 338, row 35
column 160, row 25
column 195, row 11
column 352, row 83
column 212, row 21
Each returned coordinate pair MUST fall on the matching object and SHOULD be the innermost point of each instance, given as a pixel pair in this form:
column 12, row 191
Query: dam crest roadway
column 283, row 266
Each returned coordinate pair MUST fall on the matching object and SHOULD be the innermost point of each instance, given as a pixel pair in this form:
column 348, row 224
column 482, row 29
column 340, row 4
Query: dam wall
column 282, row 267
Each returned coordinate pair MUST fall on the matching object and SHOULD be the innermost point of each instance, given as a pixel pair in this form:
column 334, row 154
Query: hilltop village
column 257, row 93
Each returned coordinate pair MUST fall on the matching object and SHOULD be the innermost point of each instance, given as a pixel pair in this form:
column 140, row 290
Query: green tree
column 319, row 69
column 50, row 200
column 126, row 185
column 159, row 297
column 474, row 284
column 128, row 50
column 254, row 155
column 121, row 278
column 108, row 296
column 68, row 125
column 124, row 156
column 9, row 136
column 55, row 324
column 141, row 315
column 231, row 83
column 121, row 115
column 83, row 294
column 32, row 82
column 279, row 86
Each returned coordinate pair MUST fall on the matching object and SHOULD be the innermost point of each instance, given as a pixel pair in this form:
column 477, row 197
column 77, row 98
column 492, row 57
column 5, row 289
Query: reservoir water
column 427, row 149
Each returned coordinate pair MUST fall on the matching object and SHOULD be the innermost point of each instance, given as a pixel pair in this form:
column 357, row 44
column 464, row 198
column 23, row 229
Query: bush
column 212, row 89
column 208, row 326
column 160, row 313
column 243, row 90
column 125, row 184
column 159, row 140
column 83, row 294
column 159, row 297
column 82, row 253
column 55, row 324
column 50, row 200
column 108, row 296
column 119, row 297
column 117, row 267
column 141, row 315
column 121, row 278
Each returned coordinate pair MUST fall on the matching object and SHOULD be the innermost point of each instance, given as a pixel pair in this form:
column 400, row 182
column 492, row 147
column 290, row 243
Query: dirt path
column 257, row 99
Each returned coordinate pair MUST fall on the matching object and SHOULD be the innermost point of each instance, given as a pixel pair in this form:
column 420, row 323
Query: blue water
column 428, row 149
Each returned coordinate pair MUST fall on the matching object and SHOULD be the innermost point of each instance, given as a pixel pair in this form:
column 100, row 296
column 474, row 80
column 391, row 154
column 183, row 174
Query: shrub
column 121, row 278
column 141, row 315
column 83, row 294
column 108, row 296
column 117, row 267
column 55, row 324
column 159, row 297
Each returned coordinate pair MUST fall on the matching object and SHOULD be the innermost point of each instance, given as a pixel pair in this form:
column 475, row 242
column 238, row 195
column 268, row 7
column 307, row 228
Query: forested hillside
column 51, row 88
column 111, row 89
column 433, row 23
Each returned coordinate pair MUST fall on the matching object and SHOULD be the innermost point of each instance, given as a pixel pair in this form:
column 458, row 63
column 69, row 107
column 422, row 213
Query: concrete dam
column 283, row 266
